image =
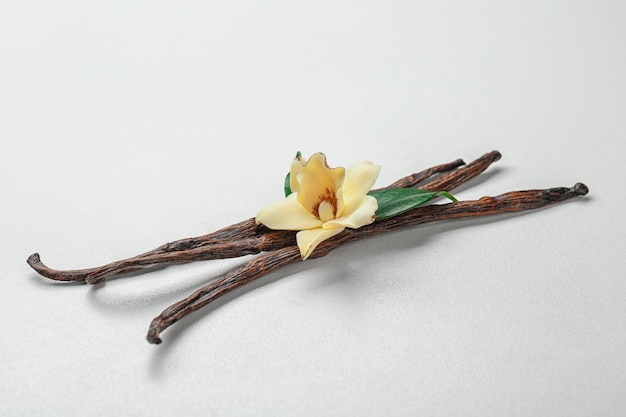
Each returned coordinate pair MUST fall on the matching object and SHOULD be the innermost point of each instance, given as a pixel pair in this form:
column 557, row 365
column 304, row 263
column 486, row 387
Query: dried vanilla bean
column 277, row 248
column 251, row 270
column 240, row 239
column 267, row 262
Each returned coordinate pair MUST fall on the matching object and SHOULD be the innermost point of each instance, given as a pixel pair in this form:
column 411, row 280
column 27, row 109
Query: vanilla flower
column 324, row 201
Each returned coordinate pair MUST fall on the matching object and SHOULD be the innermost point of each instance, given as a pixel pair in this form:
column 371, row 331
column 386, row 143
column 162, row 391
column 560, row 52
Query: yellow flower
column 323, row 202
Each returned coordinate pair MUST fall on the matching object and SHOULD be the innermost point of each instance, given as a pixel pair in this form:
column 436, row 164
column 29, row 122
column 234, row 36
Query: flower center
column 326, row 209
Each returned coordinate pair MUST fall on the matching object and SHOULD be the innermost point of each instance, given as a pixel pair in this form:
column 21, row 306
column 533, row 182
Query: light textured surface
column 125, row 125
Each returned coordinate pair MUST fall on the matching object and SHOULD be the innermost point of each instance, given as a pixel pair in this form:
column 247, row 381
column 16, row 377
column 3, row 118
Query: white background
column 128, row 124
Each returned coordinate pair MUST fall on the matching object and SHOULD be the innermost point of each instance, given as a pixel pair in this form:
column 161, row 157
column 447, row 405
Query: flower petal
column 296, row 164
column 309, row 239
column 358, row 212
column 359, row 179
column 317, row 180
column 287, row 214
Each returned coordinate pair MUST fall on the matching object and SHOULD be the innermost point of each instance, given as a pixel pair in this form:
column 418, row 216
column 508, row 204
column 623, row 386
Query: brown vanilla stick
column 462, row 175
column 510, row 202
column 277, row 248
column 210, row 250
column 242, row 230
column 267, row 262
column 427, row 174
column 255, row 268
column 240, row 239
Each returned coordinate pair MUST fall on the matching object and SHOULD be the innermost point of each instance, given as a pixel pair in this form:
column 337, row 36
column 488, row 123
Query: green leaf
column 288, row 184
column 394, row 201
